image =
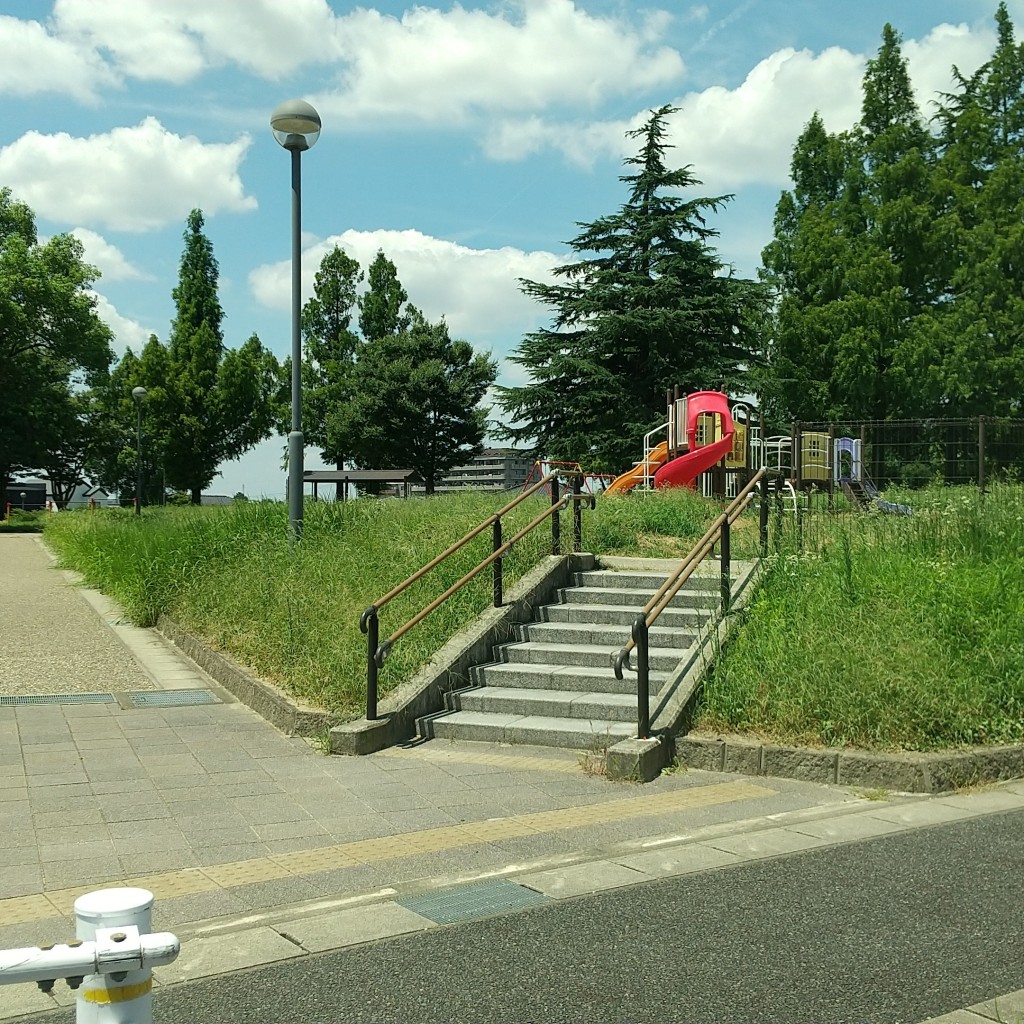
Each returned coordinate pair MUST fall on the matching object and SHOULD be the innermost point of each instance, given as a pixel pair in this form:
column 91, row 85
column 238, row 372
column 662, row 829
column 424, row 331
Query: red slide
column 683, row 471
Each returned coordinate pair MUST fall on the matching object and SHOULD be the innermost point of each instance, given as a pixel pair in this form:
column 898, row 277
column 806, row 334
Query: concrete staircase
column 554, row 685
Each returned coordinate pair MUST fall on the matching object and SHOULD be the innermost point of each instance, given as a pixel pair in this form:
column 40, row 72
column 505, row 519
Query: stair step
column 539, row 730
column 661, row 659
column 636, row 598
column 602, row 634
column 612, row 707
column 624, row 579
column 621, row 615
column 579, row 679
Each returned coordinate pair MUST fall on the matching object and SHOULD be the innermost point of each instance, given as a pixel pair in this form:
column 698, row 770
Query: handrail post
column 556, row 525
column 496, row 533
column 643, row 689
column 577, row 514
column 372, row 642
column 725, row 553
column 763, row 522
column 981, row 457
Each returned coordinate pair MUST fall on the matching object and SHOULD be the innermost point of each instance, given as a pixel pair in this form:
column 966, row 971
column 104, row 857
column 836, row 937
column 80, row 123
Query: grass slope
column 228, row 575
column 901, row 633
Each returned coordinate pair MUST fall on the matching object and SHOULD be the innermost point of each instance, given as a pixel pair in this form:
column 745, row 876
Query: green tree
column 52, row 342
column 415, row 401
column 382, row 307
column 215, row 403
column 852, row 264
column 329, row 352
column 648, row 308
column 974, row 356
column 112, row 459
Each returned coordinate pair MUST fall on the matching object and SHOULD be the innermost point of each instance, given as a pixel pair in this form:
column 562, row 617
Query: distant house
column 87, row 495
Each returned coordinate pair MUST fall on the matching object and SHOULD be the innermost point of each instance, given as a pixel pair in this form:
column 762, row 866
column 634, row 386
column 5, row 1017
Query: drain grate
column 58, row 698
column 171, row 698
column 468, row 901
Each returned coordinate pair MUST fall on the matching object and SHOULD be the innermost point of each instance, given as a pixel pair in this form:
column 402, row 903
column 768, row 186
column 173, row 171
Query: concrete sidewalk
column 237, row 828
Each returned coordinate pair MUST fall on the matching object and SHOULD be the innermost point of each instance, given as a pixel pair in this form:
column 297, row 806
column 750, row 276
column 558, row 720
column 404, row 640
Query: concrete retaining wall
column 905, row 772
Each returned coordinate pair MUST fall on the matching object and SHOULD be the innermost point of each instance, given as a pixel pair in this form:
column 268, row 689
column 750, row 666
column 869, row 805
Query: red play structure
column 681, row 459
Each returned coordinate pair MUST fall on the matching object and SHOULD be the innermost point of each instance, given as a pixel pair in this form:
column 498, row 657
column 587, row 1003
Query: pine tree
column 382, row 308
column 648, row 308
column 205, row 403
column 977, row 352
column 852, row 260
column 330, row 348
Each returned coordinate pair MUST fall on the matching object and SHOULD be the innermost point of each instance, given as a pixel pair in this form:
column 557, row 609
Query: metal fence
column 917, row 453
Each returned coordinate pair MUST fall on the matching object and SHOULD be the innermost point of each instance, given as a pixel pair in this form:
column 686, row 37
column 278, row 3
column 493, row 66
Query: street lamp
column 139, row 395
column 296, row 127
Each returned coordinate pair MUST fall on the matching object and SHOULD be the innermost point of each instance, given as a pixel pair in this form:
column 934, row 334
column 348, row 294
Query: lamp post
column 139, row 395
column 296, row 127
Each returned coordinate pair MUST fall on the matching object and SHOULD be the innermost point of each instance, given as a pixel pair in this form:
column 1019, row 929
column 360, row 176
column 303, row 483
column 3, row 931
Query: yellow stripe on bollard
column 125, row 994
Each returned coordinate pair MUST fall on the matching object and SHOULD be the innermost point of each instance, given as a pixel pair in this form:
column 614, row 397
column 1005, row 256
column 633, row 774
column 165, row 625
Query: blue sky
column 466, row 141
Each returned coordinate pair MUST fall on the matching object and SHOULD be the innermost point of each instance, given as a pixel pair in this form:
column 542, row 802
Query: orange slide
column 628, row 480
column 684, row 470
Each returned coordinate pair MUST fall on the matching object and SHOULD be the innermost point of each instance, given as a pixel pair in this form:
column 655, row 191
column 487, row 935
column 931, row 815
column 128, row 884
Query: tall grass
column 229, row 575
column 895, row 632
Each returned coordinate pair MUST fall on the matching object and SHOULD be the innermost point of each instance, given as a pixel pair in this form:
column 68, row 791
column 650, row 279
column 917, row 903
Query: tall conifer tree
column 648, row 307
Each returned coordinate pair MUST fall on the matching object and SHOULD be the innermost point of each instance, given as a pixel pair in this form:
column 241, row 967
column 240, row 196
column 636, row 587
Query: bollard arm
column 114, row 950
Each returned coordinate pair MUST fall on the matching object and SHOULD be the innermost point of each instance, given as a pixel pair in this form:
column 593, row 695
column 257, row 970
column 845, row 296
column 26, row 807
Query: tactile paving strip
column 469, row 901
column 171, row 698
column 59, row 698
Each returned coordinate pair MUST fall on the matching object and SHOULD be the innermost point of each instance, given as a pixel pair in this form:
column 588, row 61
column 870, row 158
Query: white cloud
column 112, row 263
column 476, row 290
column 175, row 42
column 442, row 66
column 930, row 60
column 746, row 134
column 128, row 179
column 127, row 333
column 36, row 62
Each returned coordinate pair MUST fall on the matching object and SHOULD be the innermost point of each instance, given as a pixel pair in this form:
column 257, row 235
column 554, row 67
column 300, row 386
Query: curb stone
column 903, row 771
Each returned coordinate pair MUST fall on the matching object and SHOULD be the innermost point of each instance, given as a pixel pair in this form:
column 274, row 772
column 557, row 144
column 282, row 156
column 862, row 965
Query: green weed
column 889, row 631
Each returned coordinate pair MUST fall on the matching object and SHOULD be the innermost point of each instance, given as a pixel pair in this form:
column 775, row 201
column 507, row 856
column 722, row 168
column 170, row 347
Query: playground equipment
column 700, row 432
column 717, row 439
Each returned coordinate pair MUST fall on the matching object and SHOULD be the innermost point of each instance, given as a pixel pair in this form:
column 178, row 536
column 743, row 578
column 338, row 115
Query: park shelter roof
column 362, row 476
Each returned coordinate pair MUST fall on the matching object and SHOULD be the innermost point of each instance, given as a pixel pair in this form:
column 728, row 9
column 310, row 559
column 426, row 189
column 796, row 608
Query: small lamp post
column 296, row 127
column 139, row 395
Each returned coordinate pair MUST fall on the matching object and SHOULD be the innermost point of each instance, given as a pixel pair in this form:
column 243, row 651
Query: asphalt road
column 882, row 932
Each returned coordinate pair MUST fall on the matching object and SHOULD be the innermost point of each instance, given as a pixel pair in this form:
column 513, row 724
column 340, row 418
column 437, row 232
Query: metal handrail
column 718, row 532
column 377, row 652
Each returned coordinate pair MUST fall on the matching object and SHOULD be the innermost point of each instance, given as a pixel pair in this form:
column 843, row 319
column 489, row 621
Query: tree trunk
column 197, row 495
column 339, row 493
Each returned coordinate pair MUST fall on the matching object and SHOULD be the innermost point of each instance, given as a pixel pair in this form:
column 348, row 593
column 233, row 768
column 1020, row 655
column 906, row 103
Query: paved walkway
column 240, row 830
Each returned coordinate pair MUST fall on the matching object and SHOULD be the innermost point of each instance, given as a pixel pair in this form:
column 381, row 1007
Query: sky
column 467, row 141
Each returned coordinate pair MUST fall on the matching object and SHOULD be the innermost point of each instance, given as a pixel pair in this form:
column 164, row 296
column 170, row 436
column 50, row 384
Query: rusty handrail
column 451, row 549
column 718, row 531
column 377, row 652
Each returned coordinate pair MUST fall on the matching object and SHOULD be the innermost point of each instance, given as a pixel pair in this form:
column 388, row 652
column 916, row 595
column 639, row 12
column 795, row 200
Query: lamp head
column 139, row 394
column 296, row 125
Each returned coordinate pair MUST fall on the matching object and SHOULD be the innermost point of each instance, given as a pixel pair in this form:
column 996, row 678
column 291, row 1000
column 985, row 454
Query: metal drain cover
column 468, row 901
column 58, row 698
column 171, row 698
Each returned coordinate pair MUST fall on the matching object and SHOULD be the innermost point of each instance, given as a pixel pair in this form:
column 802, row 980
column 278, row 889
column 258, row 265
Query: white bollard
column 125, row 997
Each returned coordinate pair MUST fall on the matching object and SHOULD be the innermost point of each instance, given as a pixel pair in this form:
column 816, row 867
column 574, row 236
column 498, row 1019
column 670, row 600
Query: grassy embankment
column 903, row 633
column 228, row 575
